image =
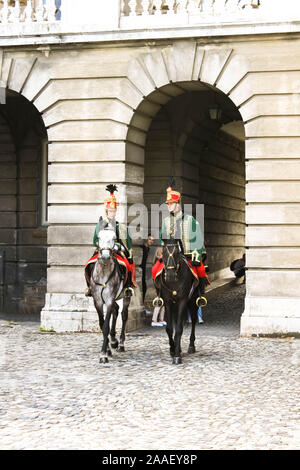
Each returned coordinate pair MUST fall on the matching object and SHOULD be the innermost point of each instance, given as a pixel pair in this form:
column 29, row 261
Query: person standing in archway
column 146, row 248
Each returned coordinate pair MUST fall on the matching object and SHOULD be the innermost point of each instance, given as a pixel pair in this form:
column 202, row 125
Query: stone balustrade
column 46, row 21
column 194, row 7
column 28, row 11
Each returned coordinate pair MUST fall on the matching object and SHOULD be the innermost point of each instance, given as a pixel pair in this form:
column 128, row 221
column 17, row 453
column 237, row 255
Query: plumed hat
column 172, row 196
column 111, row 202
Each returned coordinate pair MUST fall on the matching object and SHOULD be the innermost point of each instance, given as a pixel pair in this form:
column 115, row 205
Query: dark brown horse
column 180, row 293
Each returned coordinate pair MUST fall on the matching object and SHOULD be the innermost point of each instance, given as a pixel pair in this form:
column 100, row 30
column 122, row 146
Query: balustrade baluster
column 50, row 10
column 16, row 12
column 157, row 7
column 207, row 6
column 28, row 12
column 231, row 6
column 246, row 4
column 170, row 5
column 180, row 6
column 132, row 6
column 40, row 12
column 5, row 12
column 126, row 10
column 145, row 7
column 219, row 6
column 193, row 7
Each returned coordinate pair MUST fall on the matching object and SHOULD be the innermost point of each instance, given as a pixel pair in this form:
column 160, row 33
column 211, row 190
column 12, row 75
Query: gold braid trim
column 196, row 256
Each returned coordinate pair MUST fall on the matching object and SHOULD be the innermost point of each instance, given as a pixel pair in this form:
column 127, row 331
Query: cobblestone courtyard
column 233, row 393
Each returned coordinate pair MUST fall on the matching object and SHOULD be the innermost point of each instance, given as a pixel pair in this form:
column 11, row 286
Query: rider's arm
column 196, row 242
column 129, row 247
column 162, row 232
column 95, row 239
column 124, row 239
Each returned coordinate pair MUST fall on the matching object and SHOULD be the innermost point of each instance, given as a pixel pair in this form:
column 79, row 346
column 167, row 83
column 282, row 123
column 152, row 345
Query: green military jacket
column 122, row 234
column 187, row 229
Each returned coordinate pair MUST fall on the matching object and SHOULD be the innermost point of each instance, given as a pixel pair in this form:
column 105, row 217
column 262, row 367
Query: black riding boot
column 129, row 286
column 87, row 291
column 201, row 301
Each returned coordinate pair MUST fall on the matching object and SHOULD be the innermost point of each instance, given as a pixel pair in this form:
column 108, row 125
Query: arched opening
column 23, row 208
column 196, row 134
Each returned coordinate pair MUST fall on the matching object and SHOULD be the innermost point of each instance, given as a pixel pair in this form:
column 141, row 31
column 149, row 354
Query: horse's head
column 171, row 258
column 106, row 243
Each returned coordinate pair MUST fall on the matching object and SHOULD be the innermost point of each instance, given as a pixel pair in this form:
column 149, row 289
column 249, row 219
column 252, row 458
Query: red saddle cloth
column 122, row 262
column 197, row 271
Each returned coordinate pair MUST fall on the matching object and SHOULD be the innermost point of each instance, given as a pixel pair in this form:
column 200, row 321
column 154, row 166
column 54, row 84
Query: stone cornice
column 58, row 33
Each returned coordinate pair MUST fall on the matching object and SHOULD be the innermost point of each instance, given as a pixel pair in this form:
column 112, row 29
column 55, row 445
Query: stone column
column 272, row 304
column 87, row 136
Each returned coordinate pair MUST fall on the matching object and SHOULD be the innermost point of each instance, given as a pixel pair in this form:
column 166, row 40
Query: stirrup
column 158, row 302
column 198, row 302
column 128, row 292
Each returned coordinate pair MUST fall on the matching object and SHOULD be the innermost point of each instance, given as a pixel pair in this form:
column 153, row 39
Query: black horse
column 107, row 284
column 180, row 292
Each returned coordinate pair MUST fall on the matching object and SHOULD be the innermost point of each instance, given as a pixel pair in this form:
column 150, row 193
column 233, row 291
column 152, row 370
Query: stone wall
column 8, row 214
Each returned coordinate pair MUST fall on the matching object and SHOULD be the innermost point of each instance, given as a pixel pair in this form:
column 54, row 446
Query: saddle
column 122, row 261
column 197, row 271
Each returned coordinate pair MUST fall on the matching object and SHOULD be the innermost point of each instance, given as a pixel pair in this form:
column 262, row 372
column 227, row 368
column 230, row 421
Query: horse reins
column 176, row 267
column 171, row 255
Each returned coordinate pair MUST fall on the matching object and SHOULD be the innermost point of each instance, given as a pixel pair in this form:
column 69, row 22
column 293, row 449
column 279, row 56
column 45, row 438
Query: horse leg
column 169, row 329
column 105, row 344
column 193, row 310
column 178, row 332
column 113, row 340
column 126, row 302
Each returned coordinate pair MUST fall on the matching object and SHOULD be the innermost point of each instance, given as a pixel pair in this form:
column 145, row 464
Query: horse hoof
column 115, row 345
column 103, row 360
column 177, row 360
column 121, row 349
column 191, row 350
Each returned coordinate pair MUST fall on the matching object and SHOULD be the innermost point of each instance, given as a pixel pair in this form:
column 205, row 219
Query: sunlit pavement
column 233, row 393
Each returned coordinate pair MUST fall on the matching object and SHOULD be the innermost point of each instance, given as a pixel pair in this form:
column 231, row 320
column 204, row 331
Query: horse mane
column 106, row 225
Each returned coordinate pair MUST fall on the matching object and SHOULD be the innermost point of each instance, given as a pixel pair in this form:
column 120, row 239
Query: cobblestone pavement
column 233, row 393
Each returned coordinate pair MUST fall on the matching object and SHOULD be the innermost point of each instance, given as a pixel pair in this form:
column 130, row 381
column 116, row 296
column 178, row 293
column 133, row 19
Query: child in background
column 159, row 312
column 200, row 319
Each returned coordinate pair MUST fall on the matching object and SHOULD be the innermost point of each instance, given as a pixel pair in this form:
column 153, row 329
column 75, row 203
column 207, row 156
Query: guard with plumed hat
column 123, row 242
column 184, row 228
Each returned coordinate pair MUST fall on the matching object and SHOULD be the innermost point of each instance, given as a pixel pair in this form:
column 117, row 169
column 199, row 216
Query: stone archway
column 23, row 214
column 251, row 86
column 206, row 155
